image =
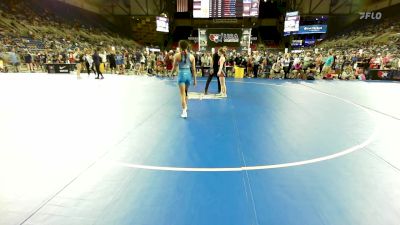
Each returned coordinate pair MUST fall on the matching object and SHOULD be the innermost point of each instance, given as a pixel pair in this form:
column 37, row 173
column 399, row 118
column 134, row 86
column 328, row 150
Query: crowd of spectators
column 30, row 38
column 347, row 64
column 368, row 34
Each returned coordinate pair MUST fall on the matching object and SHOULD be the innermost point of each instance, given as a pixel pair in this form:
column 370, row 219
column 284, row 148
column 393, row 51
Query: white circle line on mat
column 262, row 167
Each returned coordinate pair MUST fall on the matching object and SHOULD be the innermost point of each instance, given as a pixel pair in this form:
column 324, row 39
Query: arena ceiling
column 156, row 7
column 140, row 15
column 124, row 7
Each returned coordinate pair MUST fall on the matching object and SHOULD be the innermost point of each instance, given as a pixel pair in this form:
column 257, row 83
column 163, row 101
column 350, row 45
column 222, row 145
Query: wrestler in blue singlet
column 185, row 74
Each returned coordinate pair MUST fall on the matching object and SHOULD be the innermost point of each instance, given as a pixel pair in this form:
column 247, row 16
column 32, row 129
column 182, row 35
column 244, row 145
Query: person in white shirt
column 256, row 64
column 307, row 60
column 210, row 59
column 277, row 71
column 377, row 61
column 89, row 62
column 204, row 63
column 142, row 64
column 296, row 59
column 398, row 63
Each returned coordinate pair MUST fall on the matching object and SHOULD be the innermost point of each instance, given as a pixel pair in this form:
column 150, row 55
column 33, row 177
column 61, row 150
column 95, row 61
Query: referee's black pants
column 210, row 77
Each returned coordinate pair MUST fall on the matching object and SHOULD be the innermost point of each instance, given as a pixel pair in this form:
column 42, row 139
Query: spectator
column 89, row 62
column 28, row 61
column 112, row 62
column 78, row 58
column 257, row 61
column 96, row 64
column 328, row 64
column 277, row 71
column 3, row 67
column 103, row 63
column 169, row 59
column 14, row 60
column 119, row 60
column 285, row 62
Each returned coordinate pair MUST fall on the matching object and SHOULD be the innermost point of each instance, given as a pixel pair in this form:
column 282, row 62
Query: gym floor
column 115, row 151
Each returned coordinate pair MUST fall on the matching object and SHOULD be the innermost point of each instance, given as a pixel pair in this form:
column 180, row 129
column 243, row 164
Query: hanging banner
column 223, row 37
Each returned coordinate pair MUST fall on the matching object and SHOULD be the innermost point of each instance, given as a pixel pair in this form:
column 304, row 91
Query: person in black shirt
column 96, row 62
column 366, row 59
column 238, row 60
column 243, row 63
column 63, row 57
column 42, row 60
column 28, row 61
column 112, row 62
column 55, row 57
column 346, row 62
column 138, row 55
column 213, row 72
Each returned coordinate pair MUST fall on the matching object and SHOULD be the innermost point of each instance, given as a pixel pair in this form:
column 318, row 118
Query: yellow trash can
column 102, row 68
column 239, row 72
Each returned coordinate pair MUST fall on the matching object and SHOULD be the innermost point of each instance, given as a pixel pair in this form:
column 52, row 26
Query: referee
column 215, row 67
